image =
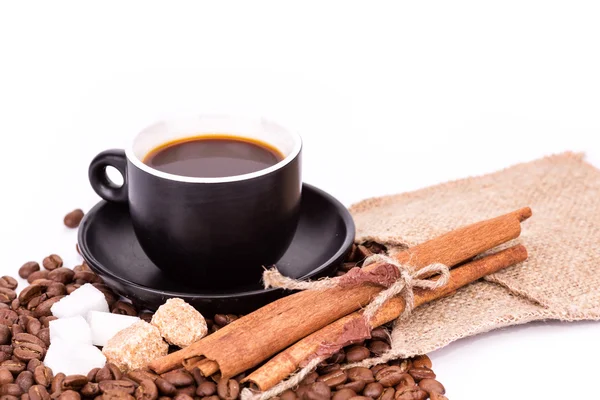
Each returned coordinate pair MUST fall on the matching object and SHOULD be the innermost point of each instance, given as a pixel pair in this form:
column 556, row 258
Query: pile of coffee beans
column 25, row 337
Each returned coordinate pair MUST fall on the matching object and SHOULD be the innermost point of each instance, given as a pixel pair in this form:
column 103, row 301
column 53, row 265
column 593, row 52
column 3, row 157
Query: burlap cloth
column 561, row 278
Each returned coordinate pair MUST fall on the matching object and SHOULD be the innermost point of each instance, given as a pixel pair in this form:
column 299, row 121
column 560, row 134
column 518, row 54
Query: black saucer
column 324, row 236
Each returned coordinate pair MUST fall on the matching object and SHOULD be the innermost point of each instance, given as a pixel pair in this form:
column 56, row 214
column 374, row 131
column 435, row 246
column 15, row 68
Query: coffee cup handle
column 100, row 181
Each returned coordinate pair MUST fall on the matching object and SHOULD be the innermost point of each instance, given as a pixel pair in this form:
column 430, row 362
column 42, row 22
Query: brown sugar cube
column 135, row 347
column 179, row 323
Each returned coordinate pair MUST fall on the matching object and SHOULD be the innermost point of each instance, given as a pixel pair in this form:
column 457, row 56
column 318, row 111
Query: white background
column 389, row 97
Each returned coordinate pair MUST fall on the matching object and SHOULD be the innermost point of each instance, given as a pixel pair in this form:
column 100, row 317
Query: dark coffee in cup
column 213, row 156
column 212, row 198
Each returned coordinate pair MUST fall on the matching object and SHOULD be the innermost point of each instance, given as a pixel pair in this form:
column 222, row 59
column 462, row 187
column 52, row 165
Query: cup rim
column 136, row 161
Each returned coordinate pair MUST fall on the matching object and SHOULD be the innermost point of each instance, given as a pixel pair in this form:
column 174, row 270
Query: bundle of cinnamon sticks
column 310, row 322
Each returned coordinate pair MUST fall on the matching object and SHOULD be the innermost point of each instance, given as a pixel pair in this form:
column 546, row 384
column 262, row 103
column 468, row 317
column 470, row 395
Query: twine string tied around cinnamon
column 399, row 279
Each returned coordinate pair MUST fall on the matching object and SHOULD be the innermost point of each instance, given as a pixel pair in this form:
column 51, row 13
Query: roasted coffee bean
column 378, row 347
column 206, row 389
column 28, row 268
column 34, row 302
column 6, row 376
column 24, row 311
column 373, row 390
column 360, row 374
column 431, row 386
column 90, row 389
column 37, row 275
column 5, row 334
column 140, row 375
column 380, row 333
column 91, row 376
column 333, row 379
column 14, row 305
column 422, row 361
column 121, row 307
column 56, row 385
column 188, row 390
column 178, row 378
column 34, row 326
column 357, row 353
column 390, row 376
column 327, row 369
column 104, row 374
column 421, row 373
column 165, row 387
column 82, row 267
column 120, row 385
column 52, row 262
column 46, row 320
column 315, row 391
column 376, row 368
column 32, row 365
column 9, row 282
column 42, row 375
column 405, row 381
column 73, row 382
column 69, row 395
column 43, row 310
column 30, row 292
column 228, row 389
column 8, row 317
column 310, row 378
column 87, row 277
column 413, row 393
column 56, row 289
column 72, row 287
column 357, row 386
column 344, row 394
column 338, row 357
column 115, row 396
column 21, row 338
column 73, row 218
column 183, row 396
column 388, row 394
column 9, row 397
column 38, row 392
column 147, row 390
column 24, row 380
column 14, row 366
column 44, row 336
column 16, row 329
column 10, row 389
column 62, row 275
column 114, row 370
column 7, row 295
column 288, row 395
column 224, row 319
column 198, row 376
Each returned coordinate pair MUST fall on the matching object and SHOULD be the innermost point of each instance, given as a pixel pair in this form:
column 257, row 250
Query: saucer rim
column 340, row 254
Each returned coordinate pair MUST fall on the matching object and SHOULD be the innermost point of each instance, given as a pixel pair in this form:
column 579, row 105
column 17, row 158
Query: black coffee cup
column 208, row 231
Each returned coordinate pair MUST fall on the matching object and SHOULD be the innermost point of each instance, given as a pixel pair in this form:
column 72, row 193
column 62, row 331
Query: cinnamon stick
column 337, row 335
column 257, row 336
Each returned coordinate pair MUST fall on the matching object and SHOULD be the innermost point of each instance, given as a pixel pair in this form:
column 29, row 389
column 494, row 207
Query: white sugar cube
column 73, row 358
column 72, row 329
column 104, row 325
column 83, row 300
